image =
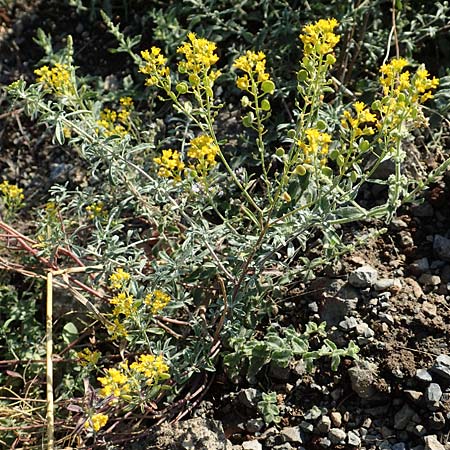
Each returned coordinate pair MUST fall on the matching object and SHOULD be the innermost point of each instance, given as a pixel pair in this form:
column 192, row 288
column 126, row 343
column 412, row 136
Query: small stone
column 402, row 417
column 423, row 375
column 353, row 439
column 249, row 397
column 420, row 430
column 324, row 442
column 252, row 445
column 441, row 247
column 367, row 422
column 324, row 424
column 386, row 318
column 384, row 445
column 442, row 366
column 432, row 443
column 429, row 308
column 363, row 277
column 313, row 414
column 336, row 418
column 415, row 396
column 384, row 284
column 362, row 377
column 313, row 307
column 399, row 446
column 337, row 435
column 255, row 425
column 365, row 333
column 437, row 421
column 292, row 434
column 419, row 266
column 348, row 323
column 427, row 279
column 285, row 446
column 433, row 394
column 308, row 427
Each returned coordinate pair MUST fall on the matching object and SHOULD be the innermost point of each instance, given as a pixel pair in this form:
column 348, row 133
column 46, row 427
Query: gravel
column 363, row 277
column 442, row 366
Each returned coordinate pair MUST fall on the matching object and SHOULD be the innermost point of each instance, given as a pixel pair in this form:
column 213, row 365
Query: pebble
column 386, row 318
column 337, row 435
column 313, row 414
column 429, row 308
column 433, row 394
column 362, row 377
column 419, row 266
column 348, row 323
column 353, row 439
column 365, row 333
column 285, row 446
column 432, row 443
column 363, row 277
column 252, row 445
column 437, row 421
column 399, row 446
column 292, row 434
column 324, row 442
column 441, row 247
column 402, row 417
column 415, row 396
column 254, row 425
column 324, row 424
column 423, row 375
column 309, row 427
column 442, row 366
column 420, row 430
column 427, row 279
column 336, row 418
column 249, row 397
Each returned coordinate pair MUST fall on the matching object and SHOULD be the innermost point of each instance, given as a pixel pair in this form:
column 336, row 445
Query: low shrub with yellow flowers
column 204, row 228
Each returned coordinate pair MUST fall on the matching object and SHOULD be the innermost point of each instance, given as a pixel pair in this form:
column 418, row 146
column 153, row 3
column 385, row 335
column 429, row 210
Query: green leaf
column 69, row 332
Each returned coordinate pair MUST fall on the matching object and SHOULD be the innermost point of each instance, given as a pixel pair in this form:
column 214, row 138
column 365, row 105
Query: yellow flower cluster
column 117, row 122
column 358, row 123
column 117, row 329
column 403, row 92
column 96, row 210
column 254, row 66
column 155, row 66
column 200, row 57
column 204, row 150
column 115, row 383
column 124, row 381
column 58, row 79
column 123, row 304
column 319, row 38
column 96, row 422
column 157, row 300
column 317, row 146
column 171, row 165
column 118, row 279
column 12, row 194
column 152, row 367
column 88, row 357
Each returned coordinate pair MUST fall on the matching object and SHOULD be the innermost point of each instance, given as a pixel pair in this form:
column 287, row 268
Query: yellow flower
column 117, row 329
column 57, row 79
column 115, row 383
column 204, row 150
column 362, row 116
column 124, row 304
column 96, row 422
column 118, row 279
column 11, row 192
column 254, row 66
column 319, row 37
column 157, row 300
column 96, row 210
column 152, row 367
column 199, row 56
column 170, row 164
column 87, row 356
column 316, row 147
column 117, row 123
column 155, row 66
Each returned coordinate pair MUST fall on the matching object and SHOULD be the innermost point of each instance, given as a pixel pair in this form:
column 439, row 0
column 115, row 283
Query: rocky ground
column 391, row 296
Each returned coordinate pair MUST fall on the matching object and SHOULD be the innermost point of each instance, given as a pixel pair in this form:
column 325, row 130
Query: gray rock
column 337, row 435
column 402, row 417
column 292, row 434
column 324, row 424
column 313, row 414
column 254, row 425
column 386, row 318
column 424, row 375
column 441, row 247
column 386, row 284
column 433, row 394
column 249, row 397
column 420, row 430
column 399, row 446
column 285, row 446
column 363, row 277
column 252, row 445
column 308, row 427
column 429, row 308
column 415, row 396
column 324, row 442
column 348, row 323
column 362, row 377
column 353, row 439
column 432, row 443
column 419, row 266
column 442, row 366
column 384, row 445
